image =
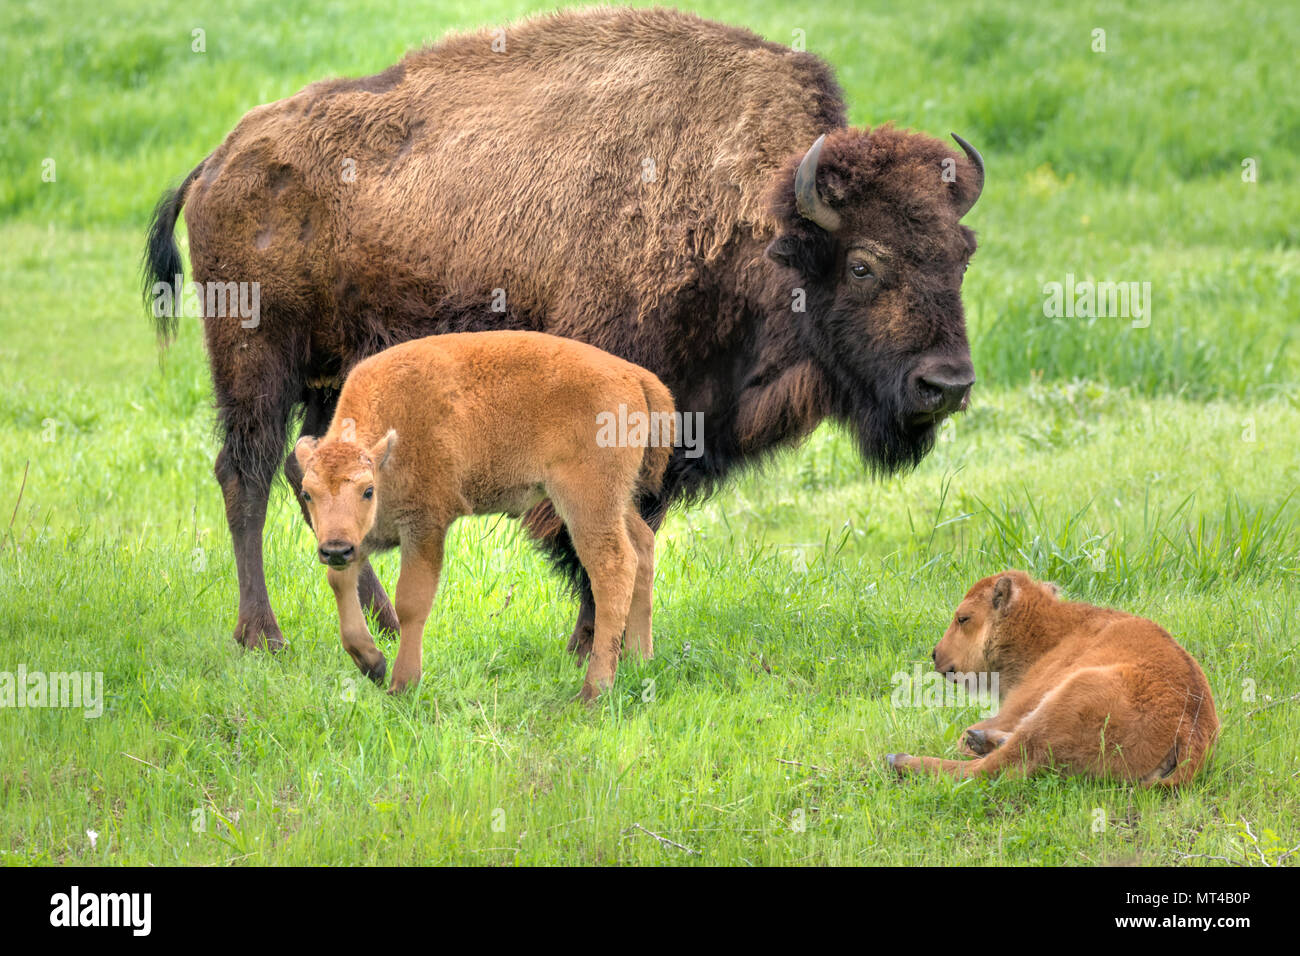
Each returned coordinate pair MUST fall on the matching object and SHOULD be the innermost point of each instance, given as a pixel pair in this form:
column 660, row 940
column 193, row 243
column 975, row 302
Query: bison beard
column 679, row 237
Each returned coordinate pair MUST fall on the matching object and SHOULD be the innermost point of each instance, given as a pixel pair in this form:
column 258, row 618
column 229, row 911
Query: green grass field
column 1153, row 468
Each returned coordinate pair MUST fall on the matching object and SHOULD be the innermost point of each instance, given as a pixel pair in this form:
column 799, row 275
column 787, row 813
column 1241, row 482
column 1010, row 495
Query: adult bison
column 675, row 191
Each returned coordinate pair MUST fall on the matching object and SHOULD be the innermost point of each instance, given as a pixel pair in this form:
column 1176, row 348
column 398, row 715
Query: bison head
column 870, row 222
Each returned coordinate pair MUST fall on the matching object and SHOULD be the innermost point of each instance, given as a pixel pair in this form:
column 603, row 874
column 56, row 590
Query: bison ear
column 1003, row 593
column 806, row 254
column 303, row 451
column 383, row 449
column 785, row 250
column 1053, row 588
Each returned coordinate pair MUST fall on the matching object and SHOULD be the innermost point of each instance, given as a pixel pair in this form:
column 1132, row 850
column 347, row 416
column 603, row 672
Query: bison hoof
column 259, row 633
column 898, row 762
column 977, row 742
column 580, row 640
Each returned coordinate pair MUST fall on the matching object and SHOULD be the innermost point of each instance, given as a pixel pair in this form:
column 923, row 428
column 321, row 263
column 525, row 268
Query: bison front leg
column 245, row 487
column 416, row 586
column 584, row 629
column 352, row 624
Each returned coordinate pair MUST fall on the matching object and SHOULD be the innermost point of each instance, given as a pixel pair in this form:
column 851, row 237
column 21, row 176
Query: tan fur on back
column 491, row 414
column 1086, row 689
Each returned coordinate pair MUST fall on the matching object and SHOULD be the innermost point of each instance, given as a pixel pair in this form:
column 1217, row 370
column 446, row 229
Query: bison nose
column 943, row 387
column 337, row 554
column 952, row 394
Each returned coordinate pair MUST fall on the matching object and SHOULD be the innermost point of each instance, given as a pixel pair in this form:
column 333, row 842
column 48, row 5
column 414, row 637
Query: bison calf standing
column 484, row 423
column 1088, row 689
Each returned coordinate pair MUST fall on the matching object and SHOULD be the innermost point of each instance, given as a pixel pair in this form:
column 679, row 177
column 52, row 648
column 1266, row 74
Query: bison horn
column 807, row 200
column 977, row 160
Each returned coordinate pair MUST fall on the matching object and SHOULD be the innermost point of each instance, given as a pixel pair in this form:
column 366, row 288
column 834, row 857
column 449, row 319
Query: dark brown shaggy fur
column 529, row 171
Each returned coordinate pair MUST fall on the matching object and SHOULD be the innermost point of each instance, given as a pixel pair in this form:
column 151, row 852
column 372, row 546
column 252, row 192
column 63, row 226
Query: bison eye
column 963, row 618
column 368, row 493
column 861, row 270
column 306, row 497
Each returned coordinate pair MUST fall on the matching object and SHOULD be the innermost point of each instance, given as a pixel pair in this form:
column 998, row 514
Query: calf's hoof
column 375, row 671
column 591, row 690
column 403, row 683
column 976, row 742
column 259, row 632
column 899, row 763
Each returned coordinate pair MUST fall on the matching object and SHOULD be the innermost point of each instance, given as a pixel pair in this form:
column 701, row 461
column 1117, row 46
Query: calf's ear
column 383, row 449
column 1003, row 592
column 305, row 448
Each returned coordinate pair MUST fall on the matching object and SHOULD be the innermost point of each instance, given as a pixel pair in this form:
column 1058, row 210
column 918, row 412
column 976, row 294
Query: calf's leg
column 1020, row 756
column 638, row 640
column 352, row 624
column 1081, row 726
column 610, row 560
column 416, row 585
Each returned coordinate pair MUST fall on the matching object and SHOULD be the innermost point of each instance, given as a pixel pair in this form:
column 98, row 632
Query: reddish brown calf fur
column 484, row 423
column 1086, row 689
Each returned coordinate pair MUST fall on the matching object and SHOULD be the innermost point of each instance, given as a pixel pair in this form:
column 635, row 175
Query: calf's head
column 988, row 626
column 869, row 223
column 340, row 488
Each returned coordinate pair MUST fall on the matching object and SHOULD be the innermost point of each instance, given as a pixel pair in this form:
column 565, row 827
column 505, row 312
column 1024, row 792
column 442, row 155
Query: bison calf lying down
column 1086, row 689
column 484, row 423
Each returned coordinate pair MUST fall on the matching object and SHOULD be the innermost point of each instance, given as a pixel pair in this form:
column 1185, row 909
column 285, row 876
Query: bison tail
column 162, row 260
column 662, row 409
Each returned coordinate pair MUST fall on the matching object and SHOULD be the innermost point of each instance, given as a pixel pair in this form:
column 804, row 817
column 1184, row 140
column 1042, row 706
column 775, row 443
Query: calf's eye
column 368, row 493
column 861, row 270
column 306, row 497
column 963, row 618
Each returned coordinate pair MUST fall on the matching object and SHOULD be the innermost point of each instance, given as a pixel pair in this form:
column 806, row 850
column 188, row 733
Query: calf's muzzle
column 337, row 554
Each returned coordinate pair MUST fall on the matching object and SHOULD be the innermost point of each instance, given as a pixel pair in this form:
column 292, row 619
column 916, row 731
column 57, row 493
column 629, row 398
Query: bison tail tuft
column 161, row 262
